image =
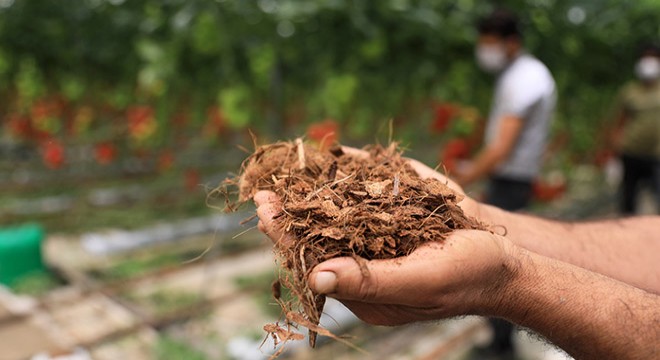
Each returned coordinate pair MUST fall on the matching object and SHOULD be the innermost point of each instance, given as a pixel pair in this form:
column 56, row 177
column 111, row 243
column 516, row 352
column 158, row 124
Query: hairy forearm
column 588, row 315
column 623, row 249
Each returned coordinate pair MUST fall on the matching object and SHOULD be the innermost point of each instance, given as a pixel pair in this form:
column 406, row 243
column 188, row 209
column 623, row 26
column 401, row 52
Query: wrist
column 489, row 214
column 502, row 296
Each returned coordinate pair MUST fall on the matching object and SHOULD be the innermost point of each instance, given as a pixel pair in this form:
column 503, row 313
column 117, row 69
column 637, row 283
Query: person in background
column 516, row 132
column 637, row 131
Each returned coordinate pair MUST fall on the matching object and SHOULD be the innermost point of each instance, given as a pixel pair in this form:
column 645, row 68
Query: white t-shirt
column 524, row 89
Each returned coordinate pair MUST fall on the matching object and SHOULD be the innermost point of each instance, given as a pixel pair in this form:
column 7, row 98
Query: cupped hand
column 461, row 275
column 466, row 273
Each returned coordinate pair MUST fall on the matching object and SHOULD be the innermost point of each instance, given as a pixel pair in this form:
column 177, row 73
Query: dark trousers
column 511, row 195
column 656, row 182
column 636, row 171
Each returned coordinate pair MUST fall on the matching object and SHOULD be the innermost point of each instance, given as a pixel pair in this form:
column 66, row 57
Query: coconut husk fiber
column 336, row 203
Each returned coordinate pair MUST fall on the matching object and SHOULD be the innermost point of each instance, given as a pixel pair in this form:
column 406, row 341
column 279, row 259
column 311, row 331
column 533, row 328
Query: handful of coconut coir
column 335, row 203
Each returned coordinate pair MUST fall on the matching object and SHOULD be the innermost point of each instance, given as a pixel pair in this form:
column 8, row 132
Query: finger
column 264, row 196
column 262, row 227
column 268, row 207
column 386, row 281
column 271, row 226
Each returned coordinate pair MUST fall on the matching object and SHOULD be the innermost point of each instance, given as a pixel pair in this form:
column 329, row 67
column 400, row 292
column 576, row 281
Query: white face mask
column 491, row 58
column 648, row 68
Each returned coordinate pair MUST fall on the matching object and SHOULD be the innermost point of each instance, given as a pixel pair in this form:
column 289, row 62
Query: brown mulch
column 336, row 203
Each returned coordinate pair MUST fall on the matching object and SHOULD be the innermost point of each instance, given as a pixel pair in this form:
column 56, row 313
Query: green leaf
column 235, row 103
column 29, row 81
column 207, row 35
column 338, row 93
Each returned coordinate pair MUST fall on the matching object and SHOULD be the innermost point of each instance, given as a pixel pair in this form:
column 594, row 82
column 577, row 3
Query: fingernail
column 325, row 282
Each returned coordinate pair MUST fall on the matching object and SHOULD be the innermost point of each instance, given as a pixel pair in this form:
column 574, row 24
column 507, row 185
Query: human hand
column 465, row 274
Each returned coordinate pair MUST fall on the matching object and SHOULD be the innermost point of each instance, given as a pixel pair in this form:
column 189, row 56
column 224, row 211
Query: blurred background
column 118, row 118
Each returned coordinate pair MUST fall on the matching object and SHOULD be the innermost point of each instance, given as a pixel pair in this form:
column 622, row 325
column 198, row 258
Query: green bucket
column 20, row 252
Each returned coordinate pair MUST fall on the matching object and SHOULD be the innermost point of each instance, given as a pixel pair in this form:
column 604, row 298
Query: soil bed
column 370, row 205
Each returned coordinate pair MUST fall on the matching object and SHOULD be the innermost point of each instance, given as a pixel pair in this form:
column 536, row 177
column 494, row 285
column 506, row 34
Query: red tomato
column 105, row 153
column 443, row 114
column 454, row 150
column 324, row 133
column 52, row 153
column 457, row 148
column 165, row 160
column 215, row 122
column 141, row 122
column 602, row 157
column 139, row 113
column 47, row 107
column 19, row 125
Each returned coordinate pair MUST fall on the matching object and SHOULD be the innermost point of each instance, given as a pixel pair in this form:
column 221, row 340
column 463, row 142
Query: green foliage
column 137, row 266
column 207, row 35
column 337, row 94
column 165, row 302
column 262, row 60
column 72, row 87
column 357, row 61
column 169, row 348
column 29, row 81
column 5, row 63
column 36, row 283
column 235, row 102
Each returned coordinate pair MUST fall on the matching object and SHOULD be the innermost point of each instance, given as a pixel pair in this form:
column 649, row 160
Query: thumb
column 384, row 281
column 342, row 278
